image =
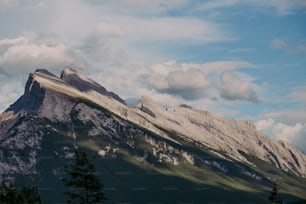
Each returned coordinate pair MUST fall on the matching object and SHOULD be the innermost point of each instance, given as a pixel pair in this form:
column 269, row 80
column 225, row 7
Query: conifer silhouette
column 274, row 195
column 84, row 186
column 9, row 194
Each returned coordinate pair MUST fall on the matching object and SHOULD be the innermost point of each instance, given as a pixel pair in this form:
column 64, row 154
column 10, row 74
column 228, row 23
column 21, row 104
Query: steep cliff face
column 55, row 114
column 32, row 98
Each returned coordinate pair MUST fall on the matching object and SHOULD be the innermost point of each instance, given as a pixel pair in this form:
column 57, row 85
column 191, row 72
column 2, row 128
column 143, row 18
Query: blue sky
column 240, row 59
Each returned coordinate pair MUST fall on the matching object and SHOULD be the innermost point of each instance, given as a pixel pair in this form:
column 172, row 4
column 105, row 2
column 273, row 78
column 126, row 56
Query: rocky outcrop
column 57, row 98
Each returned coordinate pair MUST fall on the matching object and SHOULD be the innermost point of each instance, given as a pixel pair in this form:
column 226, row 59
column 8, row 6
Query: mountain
column 144, row 154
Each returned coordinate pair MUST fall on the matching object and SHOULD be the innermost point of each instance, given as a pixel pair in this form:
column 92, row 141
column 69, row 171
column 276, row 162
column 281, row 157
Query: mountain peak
column 52, row 97
column 57, row 113
column 85, row 84
column 68, row 71
column 33, row 95
column 43, row 71
column 42, row 84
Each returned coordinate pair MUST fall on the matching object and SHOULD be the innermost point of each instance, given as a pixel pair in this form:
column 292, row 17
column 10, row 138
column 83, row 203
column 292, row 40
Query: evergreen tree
column 84, row 186
column 10, row 195
column 29, row 195
column 274, row 195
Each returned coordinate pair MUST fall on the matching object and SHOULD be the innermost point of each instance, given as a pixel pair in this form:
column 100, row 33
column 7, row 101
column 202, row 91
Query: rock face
column 84, row 84
column 57, row 113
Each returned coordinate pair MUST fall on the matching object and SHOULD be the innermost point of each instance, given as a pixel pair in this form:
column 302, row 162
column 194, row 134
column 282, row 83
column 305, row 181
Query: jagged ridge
column 53, row 97
column 55, row 113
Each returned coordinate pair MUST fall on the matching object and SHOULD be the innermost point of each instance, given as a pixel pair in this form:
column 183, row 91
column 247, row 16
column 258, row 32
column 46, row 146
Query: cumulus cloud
column 234, row 87
column 183, row 82
column 192, row 81
column 264, row 124
column 170, row 78
column 294, row 134
column 21, row 55
column 288, row 133
column 277, row 44
column 190, row 85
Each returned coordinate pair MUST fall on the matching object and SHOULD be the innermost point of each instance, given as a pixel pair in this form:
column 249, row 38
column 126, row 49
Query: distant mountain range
column 144, row 154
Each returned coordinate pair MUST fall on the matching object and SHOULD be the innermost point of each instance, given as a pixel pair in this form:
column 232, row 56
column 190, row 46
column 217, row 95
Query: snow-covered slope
column 54, row 98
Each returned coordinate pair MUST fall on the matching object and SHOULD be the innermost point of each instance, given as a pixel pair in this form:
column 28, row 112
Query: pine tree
column 29, row 195
column 10, row 195
column 84, row 186
column 275, row 196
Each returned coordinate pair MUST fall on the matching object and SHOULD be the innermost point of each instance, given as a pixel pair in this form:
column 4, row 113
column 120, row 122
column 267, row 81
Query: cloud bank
column 294, row 134
column 19, row 56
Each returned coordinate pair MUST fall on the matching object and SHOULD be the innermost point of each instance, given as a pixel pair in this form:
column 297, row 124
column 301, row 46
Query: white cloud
column 288, row 133
column 191, row 81
column 234, row 87
column 190, row 85
column 288, row 124
column 182, row 82
column 21, row 55
column 277, row 43
column 264, row 124
column 294, row 134
column 187, row 79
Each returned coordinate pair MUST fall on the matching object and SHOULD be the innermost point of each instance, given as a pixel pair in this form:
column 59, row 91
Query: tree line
column 84, row 187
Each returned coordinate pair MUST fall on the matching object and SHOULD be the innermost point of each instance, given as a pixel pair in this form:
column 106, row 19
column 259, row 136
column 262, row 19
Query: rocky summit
column 144, row 154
